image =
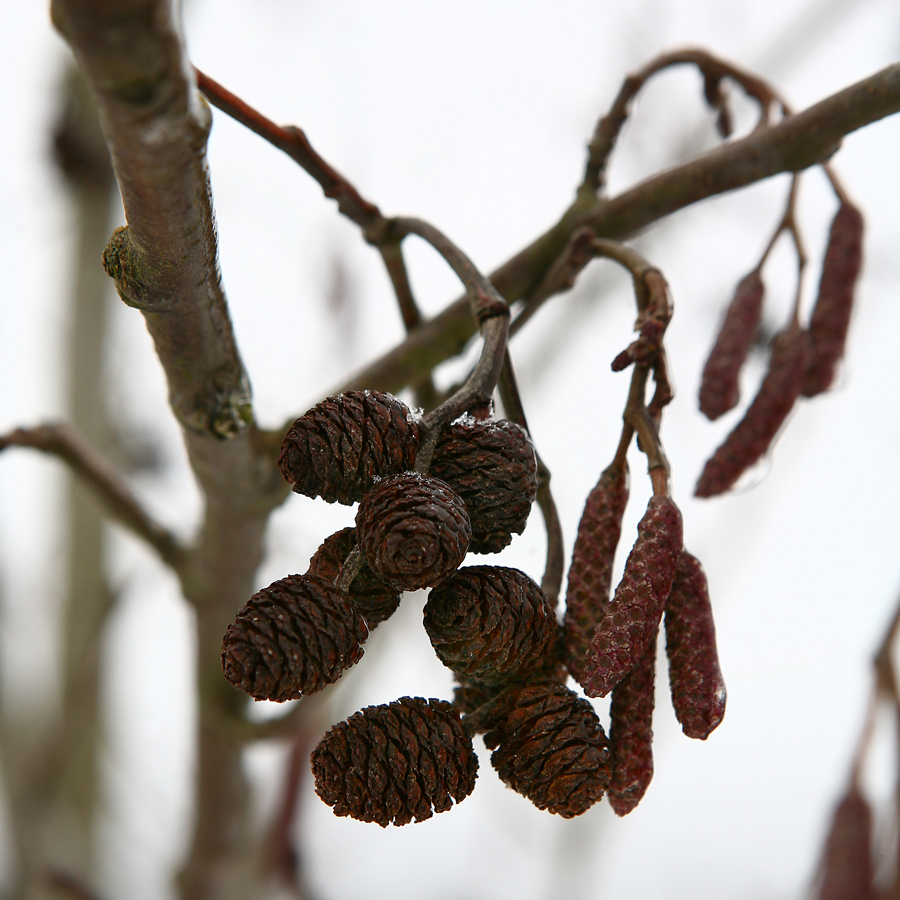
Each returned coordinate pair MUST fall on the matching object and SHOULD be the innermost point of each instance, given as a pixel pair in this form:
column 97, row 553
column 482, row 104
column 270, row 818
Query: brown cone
column 631, row 734
column 291, row 639
column 492, row 466
column 590, row 575
column 394, row 763
column 695, row 679
column 413, row 531
column 492, row 624
column 632, row 619
column 550, row 747
column 338, row 448
column 374, row 600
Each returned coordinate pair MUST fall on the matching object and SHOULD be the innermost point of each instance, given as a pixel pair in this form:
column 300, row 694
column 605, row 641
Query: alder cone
column 337, row 449
column 695, row 679
column 291, row 639
column 492, row 466
column 631, row 734
column 755, row 432
column 394, row 763
column 374, row 600
column 492, row 624
column 413, row 530
column 719, row 386
column 831, row 315
column 550, row 747
column 632, row 619
column 848, row 851
column 590, row 575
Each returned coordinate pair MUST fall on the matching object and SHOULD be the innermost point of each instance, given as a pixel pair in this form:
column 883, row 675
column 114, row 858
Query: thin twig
column 560, row 276
column 553, row 569
column 392, row 256
column 294, row 143
column 713, row 70
column 67, row 444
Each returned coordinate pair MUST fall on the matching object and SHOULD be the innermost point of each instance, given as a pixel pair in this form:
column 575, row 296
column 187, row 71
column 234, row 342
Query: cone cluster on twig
column 408, row 759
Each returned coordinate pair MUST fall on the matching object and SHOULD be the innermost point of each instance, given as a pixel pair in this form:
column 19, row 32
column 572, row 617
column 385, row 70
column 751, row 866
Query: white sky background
column 475, row 116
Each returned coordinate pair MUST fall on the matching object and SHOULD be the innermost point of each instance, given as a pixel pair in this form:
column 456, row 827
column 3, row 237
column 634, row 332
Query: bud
column 394, row 763
column 695, row 680
column 719, row 385
column 338, row 448
column 374, row 600
column 590, row 575
column 492, row 624
column 848, row 853
column 413, row 530
column 831, row 315
column 632, row 619
column 631, row 734
column 291, row 639
column 492, row 466
column 755, row 432
column 550, row 747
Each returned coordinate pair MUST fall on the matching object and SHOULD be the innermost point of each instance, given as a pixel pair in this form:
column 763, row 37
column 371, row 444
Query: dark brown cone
column 550, row 747
column 492, row 466
column 338, row 448
column 590, row 575
column 631, row 734
column 831, row 315
column 470, row 695
column 394, row 763
column 755, row 432
column 492, row 624
column 695, row 680
column 719, row 385
column 413, row 531
column 291, row 639
column 632, row 619
column 374, row 600
column 848, row 851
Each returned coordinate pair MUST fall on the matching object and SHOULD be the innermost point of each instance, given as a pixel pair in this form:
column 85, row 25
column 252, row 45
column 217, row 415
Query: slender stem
column 560, row 276
column 392, row 255
column 294, row 143
column 713, row 70
column 67, row 444
column 553, row 569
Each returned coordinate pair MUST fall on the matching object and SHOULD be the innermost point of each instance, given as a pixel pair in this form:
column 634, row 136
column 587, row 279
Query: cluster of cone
column 803, row 360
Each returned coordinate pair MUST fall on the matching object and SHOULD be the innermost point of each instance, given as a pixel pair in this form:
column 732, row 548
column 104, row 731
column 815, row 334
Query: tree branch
column 66, row 443
column 803, row 140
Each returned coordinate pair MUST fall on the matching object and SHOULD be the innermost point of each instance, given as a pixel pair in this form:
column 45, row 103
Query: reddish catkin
column 831, row 315
column 394, row 763
column 632, row 619
column 719, row 385
column 631, row 734
column 590, row 575
column 753, row 435
column 695, row 680
column 848, row 862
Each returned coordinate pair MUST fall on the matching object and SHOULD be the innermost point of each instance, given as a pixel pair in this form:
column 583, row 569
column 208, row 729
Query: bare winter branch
column 67, row 444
